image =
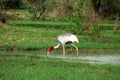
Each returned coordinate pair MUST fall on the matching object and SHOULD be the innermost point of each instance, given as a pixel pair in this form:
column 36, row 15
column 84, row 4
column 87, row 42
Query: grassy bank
column 28, row 68
column 30, row 35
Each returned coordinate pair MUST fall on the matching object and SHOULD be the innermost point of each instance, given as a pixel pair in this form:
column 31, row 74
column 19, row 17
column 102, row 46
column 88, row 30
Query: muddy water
column 110, row 57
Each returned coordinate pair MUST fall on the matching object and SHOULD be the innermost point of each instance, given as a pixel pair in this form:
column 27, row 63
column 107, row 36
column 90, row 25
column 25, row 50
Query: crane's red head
column 50, row 48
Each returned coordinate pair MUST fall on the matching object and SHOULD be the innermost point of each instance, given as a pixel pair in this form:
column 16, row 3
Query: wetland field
column 28, row 29
column 23, row 53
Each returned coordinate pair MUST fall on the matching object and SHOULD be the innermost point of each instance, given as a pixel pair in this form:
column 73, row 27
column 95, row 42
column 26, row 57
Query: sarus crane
column 66, row 38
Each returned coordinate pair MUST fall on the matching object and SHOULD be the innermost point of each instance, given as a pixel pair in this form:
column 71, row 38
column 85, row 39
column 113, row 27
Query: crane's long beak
column 48, row 54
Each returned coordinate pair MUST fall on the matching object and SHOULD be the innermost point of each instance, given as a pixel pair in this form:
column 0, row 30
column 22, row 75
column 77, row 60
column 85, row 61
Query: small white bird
column 63, row 39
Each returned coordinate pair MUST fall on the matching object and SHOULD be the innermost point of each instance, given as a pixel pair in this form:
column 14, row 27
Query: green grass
column 27, row 37
column 32, row 37
column 38, row 23
column 42, row 24
column 28, row 68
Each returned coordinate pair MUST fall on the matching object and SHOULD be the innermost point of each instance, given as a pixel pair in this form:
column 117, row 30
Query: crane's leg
column 75, row 48
column 63, row 50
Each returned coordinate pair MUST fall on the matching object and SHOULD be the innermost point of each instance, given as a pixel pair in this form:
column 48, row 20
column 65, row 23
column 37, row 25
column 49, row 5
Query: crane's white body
column 66, row 38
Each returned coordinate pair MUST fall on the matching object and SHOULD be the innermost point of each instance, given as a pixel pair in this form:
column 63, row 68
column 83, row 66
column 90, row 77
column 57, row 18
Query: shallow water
column 115, row 59
column 109, row 57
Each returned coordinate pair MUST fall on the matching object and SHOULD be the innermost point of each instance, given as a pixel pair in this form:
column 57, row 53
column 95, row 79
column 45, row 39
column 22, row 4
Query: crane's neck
column 57, row 46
